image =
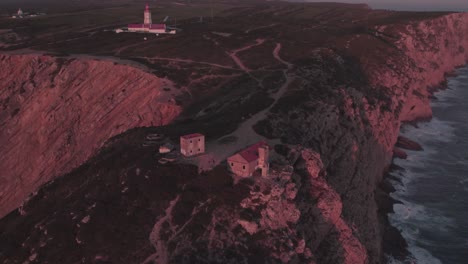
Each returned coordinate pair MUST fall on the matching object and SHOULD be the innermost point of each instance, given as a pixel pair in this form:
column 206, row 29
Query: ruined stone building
column 255, row 157
column 192, row 144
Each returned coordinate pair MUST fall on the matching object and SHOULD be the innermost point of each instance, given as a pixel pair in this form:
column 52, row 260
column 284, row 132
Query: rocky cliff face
column 57, row 112
column 431, row 50
column 355, row 127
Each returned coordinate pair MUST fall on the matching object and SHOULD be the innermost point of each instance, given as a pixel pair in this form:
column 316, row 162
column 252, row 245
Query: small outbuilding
column 248, row 160
column 149, row 28
column 192, row 144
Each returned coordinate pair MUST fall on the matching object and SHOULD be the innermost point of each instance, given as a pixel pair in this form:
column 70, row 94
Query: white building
column 246, row 162
column 192, row 144
column 148, row 26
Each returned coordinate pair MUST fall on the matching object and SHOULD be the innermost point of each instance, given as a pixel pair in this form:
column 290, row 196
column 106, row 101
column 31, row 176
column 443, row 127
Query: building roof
column 194, row 135
column 237, row 158
column 251, row 153
column 158, row 26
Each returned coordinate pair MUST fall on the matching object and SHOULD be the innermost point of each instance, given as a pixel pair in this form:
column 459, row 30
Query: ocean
column 434, row 186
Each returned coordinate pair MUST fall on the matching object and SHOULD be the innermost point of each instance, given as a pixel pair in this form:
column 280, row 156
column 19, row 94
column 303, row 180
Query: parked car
column 166, row 148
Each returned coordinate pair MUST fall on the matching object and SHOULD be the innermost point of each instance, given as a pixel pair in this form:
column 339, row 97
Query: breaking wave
column 433, row 187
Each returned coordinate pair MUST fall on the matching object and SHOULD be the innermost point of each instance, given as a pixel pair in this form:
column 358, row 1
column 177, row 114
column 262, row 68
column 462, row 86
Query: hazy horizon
column 421, row 5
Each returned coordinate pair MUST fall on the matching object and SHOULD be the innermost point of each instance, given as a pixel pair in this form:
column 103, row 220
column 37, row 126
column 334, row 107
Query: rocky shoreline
column 393, row 243
column 428, row 52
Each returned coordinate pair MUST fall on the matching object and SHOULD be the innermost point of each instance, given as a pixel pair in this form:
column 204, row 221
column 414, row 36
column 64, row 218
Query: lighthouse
column 148, row 26
column 147, row 16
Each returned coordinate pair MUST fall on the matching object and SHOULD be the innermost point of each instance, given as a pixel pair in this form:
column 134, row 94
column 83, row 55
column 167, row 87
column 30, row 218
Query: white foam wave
column 422, row 256
column 391, row 260
column 434, row 131
column 413, row 219
column 418, row 216
column 409, row 219
column 451, row 95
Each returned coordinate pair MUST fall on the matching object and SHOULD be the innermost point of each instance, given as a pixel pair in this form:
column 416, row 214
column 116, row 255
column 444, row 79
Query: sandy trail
column 159, row 243
column 218, row 152
column 153, row 59
column 155, row 237
column 121, row 49
column 237, row 60
column 257, row 28
column 276, row 52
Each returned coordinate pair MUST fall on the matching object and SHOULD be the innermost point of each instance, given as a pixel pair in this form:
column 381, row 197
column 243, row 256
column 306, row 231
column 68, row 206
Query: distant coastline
column 437, row 6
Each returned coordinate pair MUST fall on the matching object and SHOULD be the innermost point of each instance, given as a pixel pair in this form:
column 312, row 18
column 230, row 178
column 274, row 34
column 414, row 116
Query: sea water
column 434, row 184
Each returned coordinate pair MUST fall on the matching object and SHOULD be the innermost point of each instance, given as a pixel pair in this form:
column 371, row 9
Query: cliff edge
column 56, row 112
column 355, row 126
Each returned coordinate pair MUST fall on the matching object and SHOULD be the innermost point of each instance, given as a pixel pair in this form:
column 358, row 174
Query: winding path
column 245, row 133
column 155, row 237
column 188, row 61
column 161, row 255
column 237, row 60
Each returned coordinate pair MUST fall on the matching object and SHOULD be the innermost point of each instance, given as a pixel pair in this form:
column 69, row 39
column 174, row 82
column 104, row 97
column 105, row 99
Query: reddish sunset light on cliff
column 232, row 131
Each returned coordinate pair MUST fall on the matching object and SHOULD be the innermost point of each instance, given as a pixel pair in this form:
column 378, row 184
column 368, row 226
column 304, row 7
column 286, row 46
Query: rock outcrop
column 356, row 126
column 430, row 49
column 57, row 112
column 407, row 143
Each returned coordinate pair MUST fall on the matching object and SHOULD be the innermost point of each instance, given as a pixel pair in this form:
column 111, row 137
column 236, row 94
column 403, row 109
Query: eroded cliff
column 355, row 126
column 56, row 112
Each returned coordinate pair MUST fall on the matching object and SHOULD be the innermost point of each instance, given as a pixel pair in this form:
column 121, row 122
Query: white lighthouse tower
column 148, row 26
column 20, row 12
column 147, row 20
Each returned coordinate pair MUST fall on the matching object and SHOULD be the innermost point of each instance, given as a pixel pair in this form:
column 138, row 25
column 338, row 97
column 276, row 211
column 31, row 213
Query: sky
column 423, row 5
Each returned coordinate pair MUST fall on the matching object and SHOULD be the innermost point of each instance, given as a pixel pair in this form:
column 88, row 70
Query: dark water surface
column 434, row 189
